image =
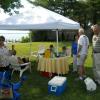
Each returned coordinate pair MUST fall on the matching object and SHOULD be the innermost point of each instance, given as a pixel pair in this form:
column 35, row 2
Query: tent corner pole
column 57, row 31
column 30, row 44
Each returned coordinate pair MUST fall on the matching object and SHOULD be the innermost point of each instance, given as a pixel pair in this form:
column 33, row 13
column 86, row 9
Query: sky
column 15, row 35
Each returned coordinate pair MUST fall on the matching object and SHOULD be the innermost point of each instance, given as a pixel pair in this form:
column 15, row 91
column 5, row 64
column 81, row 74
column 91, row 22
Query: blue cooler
column 57, row 85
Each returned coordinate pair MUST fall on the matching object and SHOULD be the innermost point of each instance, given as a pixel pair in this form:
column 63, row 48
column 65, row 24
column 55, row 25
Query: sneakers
column 81, row 78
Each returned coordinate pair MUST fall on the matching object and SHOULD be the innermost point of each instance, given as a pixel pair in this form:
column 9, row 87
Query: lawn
column 35, row 87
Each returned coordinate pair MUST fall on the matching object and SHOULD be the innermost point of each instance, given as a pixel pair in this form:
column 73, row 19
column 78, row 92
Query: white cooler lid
column 57, row 81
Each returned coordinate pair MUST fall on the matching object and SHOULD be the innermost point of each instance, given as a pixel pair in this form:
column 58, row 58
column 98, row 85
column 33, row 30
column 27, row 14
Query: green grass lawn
column 36, row 86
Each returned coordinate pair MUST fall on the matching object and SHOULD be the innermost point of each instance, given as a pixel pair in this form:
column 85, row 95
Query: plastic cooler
column 57, row 85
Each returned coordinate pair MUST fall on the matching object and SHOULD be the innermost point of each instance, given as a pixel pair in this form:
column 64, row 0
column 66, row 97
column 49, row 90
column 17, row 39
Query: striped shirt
column 96, row 43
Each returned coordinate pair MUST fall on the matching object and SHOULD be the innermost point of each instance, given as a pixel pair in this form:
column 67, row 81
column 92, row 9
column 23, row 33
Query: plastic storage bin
column 57, row 85
column 90, row 84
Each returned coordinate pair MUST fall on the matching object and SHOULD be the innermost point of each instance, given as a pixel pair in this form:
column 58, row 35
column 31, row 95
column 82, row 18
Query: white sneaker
column 81, row 78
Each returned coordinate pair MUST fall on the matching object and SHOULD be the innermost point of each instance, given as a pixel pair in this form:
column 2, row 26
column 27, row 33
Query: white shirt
column 13, row 60
column 4, row 56
column 84, row 42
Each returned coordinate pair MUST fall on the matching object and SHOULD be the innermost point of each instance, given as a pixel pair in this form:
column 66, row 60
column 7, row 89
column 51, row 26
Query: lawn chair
column 21, row 67
column 40, row 51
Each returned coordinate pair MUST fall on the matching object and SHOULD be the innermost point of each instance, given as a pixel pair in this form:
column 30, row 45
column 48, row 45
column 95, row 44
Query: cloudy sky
column 15, row 35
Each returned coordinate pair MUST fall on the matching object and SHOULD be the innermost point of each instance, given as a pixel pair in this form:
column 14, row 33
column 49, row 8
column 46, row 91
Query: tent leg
column 30, row 45
column 57, row 44
column 57, row 41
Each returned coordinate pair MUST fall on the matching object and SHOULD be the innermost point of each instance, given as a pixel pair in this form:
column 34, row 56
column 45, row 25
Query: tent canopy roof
column 37, row 19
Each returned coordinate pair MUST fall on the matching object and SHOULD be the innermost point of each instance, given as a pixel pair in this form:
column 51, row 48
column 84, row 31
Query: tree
column 9, row 5
column 25, row 39
column 94, row 10
column 91, row 11
column 60, row 6
column 80, row 13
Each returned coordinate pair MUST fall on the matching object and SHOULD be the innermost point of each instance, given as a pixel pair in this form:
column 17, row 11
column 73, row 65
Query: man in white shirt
column 83, row 45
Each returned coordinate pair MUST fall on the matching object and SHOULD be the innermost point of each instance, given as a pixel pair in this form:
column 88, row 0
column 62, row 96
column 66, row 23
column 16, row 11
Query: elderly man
column 96, row 52
column 83, row 45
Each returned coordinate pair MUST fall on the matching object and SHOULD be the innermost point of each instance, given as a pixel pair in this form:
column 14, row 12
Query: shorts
column 81, row 60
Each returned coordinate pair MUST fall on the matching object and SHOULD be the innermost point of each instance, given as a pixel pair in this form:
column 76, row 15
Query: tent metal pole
column 57, row 32
column 57, row 40
column 30, row 51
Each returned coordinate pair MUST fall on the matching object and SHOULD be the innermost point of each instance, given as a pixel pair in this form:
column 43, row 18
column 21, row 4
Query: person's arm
column 79, row 49
column 72, row 50
column 80, row 42
column 88, row 42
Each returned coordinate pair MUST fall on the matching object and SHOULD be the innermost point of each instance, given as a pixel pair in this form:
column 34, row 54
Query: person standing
column 13, row 48
column 74, row 53
column 4, row 53
column 96, row 52
column 83, row 45
column 4, row 61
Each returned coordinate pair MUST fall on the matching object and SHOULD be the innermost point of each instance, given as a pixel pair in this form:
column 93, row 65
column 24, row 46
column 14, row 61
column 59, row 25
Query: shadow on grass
column 36, row 87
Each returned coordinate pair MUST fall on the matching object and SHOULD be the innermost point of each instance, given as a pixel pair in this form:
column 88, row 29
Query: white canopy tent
column 39, row 18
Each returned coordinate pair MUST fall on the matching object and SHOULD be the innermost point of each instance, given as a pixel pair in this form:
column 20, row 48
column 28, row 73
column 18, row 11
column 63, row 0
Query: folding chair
column 21, row 67
column 16, row 66
column 40, row 51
